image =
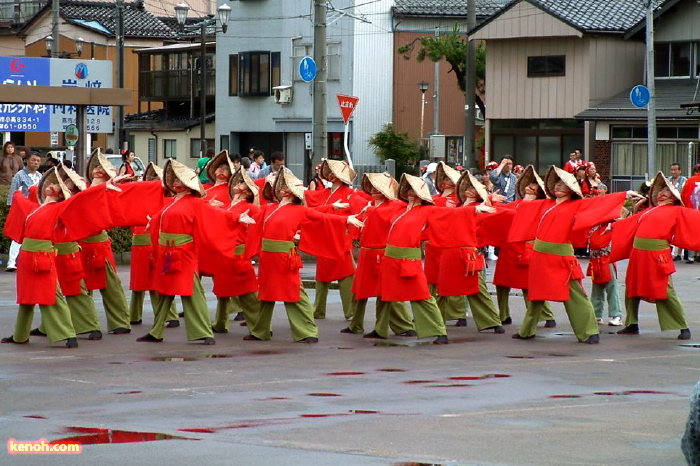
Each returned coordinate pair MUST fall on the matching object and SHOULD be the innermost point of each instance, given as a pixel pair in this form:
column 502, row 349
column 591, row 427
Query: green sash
column 141, row 240
column 275, row 245
column 36, row 245
column 397, row 252
column 647, row 244
column 174, row 239
column 102, row 237
column 67, row 248
column 554, row 249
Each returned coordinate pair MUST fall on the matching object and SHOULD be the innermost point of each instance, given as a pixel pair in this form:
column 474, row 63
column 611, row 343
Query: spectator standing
column 258, row 164
column 429, row 178
column 128, row 156
column 277, row 159
column 504, row 179
column 690, row 194
column 575, row 160
column 10, row 164
column 590, row 181
column 23, row 180
column 202, row 163
column 678, row 181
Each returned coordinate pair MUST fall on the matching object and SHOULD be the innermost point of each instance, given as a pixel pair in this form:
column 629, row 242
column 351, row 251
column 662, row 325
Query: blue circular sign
column 81, row 71
column 640, row 96
column 307, row 69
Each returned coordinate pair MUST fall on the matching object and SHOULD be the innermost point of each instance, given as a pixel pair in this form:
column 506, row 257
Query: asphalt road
column 484, row 399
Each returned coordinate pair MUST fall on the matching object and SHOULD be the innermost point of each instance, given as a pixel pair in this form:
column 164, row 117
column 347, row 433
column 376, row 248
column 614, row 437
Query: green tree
column 451, row 47
column 388, row 144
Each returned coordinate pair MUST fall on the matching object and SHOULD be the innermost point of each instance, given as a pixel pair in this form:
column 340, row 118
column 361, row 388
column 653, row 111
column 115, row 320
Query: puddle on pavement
column 478, row 377
column 263, row 352
column 273, row 398
column 565, row 396
column 344, row 373
column 35, row 416
column 95, row 436
column 403, row 344
column 322, row 394
column 519, row 356
column 420, row 381
column 130, row 392
column 451, row 385
column 408, row 463
column 345, row 347
column 391, row 369
column 249, row 424
column 324, row 415
column 690, row 345
column 116, row 362
column 215, row 356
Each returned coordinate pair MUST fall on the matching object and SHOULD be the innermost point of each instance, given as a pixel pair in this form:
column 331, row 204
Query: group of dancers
column 414, row 248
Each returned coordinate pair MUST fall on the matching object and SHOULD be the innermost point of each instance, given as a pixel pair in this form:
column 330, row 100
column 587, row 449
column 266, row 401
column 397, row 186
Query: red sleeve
column 494, row 228
column 14, row 223
column 253, row 241
column 688, row 189
column 215, row 229
column 314, row 198
column 622, row 238
column 135, row 203
column 527, row 217
column 324, row 235
column 687, row 228
column 596, row 210
column 86, row 213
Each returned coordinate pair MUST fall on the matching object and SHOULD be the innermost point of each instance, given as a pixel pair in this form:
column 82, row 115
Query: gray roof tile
column 484, row 8
column 137, row 21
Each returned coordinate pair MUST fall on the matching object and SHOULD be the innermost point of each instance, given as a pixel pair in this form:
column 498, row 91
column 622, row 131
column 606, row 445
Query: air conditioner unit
column 283, row 94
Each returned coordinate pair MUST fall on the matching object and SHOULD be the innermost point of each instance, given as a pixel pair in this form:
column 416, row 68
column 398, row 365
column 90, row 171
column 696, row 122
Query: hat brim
column 287, row 180
column 466, row 181
column 417, row 185
column 660, row 182
column 555, row 174
column 176, row 170
column 97, row 158
column 219, row 159
column 339, row 168
column 382, row 182
column 528, row 177
column 444, row 172
column 66, row 174
column 49, row 177
column 153, row 172
column 242, row 176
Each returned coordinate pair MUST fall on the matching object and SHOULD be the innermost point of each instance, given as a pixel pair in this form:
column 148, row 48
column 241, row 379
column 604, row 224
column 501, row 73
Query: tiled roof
column 137, row 21
column 484, row 8
column 670, row 94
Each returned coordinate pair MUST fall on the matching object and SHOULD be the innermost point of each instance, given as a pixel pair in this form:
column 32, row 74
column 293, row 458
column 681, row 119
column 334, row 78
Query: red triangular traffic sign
column 347, row 106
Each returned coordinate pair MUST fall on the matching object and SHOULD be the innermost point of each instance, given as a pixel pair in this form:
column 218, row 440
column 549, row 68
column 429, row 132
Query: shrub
column 388, row 144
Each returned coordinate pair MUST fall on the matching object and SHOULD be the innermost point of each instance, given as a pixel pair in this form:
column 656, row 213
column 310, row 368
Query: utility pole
column 119, row 42
column 320, row 92
column 55, row 5
column 436, row 94
column 651, row 108
column 203, row 89
column 468, row 156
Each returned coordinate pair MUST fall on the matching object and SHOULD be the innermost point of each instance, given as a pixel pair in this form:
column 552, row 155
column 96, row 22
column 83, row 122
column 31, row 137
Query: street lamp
column 49, row 42
column 181, row 11
column 423, row 86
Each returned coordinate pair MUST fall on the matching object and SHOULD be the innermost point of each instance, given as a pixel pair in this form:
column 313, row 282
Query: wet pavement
column 485, row 399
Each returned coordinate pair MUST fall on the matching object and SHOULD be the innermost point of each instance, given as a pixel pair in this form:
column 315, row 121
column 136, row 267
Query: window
column 233, row 74
column 258, row 73
column 332, row 60
column 196, row 147
column 170, row 148
column 547, row 66
column 299, row 52
column 672, row 60
column 152, row 150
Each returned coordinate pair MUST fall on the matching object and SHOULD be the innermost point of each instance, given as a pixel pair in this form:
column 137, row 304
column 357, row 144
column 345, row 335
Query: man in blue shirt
column 22, row 181
column 504, row 180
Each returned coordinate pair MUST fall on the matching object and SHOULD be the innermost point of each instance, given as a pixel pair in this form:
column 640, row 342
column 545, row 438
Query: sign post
column 72, row 135
column 347, row 107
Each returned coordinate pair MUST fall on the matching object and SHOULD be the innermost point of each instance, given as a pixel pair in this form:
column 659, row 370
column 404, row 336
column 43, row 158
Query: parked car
column 137, row 164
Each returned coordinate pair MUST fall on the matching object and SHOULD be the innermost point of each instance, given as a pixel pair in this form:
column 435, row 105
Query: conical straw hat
column 382, row 182
column 287, row 179
column 555, row 174
column 445, row 171
column 466, row 181
column 50, row 176
column 660, row 182
column 242, row 175
column 174, row 169
column 219, row 159
column 153, row 172
column 417, row 184
column 97, row 158
column 528, row 177
column 339, row 168
column 66, row 174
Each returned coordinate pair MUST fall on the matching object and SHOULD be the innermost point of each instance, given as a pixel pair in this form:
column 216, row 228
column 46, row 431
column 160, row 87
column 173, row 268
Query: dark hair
column 4, row 147
column 277, row 156
column 676, row 164
column 258, row 153
column 210, row 152
column 52, row 162
column 245, row 161
column 68, row 163
column 125, row 154
column 109, row 150
column 23, row 148
column 34, row 154
column 235, row 157
column 509, row 157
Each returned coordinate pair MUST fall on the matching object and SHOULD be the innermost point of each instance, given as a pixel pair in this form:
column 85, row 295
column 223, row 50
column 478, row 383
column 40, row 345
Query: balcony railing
column 174, row 84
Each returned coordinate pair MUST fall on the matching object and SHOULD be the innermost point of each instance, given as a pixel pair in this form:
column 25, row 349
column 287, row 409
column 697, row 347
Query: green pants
column 197, row 321
column 451, row 307
column 599, row 291
column 300, row 315
column 578, row 308
column 136, row 306
column 248, row 304
column 82, row 311
column 483, row 309
column 428, row 319
column 502, row 296
column 346, row 297
column 55, row 319
column 670, row 311
column 392, row 315
column 114, row 301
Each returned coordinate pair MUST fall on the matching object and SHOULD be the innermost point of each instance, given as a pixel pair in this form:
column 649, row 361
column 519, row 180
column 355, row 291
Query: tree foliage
column 451, row 47
column 388, row 144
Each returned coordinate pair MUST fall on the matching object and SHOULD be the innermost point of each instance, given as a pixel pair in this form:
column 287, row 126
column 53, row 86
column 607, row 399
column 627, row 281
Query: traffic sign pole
column 347, row 105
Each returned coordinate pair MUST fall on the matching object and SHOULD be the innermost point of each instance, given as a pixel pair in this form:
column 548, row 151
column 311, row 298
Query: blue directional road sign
column 640, row 96
column 307, row 69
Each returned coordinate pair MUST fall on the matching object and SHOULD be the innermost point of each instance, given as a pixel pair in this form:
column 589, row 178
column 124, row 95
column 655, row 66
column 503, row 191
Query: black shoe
column 11, row 339
column 374, row 335
column 441, row 340
column 35, row 332
column 172, row 324
column 95, row 335
column 149, row 338
column 632, row 329
column 181, row 315
column 517, row 336
column 207, row 341
column 496, row 329
column 685, row 334
column 121, row 331
column 677, row 259
column 251, row 337
column 346, row 330
column 407, row 333
column 308, row 340
column 461, row 323
column 137, row 322
column 239, row 317
column 71, row 342
column 592, row 340
column 218, row 331
column 11, row 269
column 690, row 261
column 550, row 323
column 508, row 321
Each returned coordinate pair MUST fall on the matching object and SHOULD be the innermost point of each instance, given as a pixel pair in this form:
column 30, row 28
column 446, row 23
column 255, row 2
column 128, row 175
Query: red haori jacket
column 431, row 263
column 207, row 259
